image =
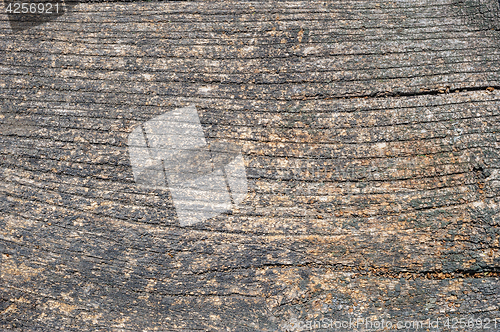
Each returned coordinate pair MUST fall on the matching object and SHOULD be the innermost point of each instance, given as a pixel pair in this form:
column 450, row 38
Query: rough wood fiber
column 370, row 139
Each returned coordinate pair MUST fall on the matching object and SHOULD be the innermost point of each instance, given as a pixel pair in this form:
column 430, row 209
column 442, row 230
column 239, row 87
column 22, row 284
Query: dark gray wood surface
column 370, row 132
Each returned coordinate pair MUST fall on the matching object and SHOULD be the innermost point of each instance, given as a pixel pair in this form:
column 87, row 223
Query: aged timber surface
column 370, row 132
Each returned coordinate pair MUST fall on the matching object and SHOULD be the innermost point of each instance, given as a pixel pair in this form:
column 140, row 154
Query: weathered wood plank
column 370, row 134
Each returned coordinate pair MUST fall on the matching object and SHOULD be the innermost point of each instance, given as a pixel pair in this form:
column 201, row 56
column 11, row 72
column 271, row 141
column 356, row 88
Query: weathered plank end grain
column 370, row 135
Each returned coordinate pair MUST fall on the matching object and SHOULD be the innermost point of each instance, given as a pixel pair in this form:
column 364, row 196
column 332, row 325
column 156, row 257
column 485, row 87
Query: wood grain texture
column 370, row 133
